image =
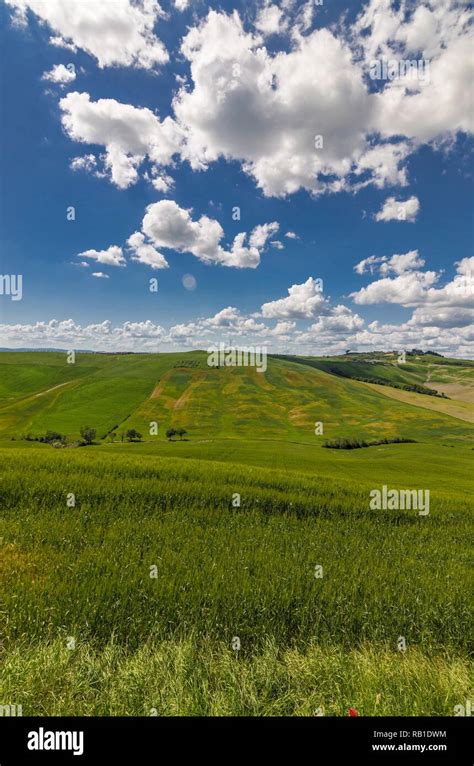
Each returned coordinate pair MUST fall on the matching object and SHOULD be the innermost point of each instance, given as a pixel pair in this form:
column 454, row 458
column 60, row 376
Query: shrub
column 351, row 443
column 133, row 435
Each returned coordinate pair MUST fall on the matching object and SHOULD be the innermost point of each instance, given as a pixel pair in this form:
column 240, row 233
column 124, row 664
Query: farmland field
column 239, row 570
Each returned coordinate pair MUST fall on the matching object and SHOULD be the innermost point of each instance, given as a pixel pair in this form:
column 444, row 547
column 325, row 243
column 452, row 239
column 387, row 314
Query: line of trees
column 353, row 443
column 88, row 435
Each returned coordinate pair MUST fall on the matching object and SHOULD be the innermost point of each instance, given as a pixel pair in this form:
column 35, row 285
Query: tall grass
column 187, row 678
column 222, row 572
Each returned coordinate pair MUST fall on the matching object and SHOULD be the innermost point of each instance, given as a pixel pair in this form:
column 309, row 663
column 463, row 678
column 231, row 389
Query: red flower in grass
column 353, row 711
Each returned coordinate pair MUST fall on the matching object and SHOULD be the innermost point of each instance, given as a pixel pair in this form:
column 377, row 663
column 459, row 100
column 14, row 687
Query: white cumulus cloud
column 399, row 210
column 114, row 32
column 304, row 301
column 167, row 225
column 129, row 134
column 145, row 253
column 113, row 256
column 60, row 75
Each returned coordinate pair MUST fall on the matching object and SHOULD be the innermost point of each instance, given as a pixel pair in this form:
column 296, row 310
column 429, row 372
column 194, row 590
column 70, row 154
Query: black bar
column 317, row 740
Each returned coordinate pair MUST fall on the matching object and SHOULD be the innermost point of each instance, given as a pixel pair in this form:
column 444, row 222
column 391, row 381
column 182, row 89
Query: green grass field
column 131, row 600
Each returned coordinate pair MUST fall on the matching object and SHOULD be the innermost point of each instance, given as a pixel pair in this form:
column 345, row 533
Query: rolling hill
column 115, row 392
column 154, row 570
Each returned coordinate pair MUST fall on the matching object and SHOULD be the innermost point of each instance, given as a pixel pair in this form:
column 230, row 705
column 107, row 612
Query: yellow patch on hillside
column 453, row 408
column 457, row 391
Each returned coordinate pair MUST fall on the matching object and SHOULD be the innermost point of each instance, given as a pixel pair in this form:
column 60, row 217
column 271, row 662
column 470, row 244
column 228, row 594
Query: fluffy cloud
column 87, row 162
column 399, row 210
column 330, row 336
column 399, row 32
column 266, row 111
column 397, row 264
column 160, row 181
column 407, row 289
column 261, row 233
column 101, row 336
column 341, row 320
column 270, row 20
column 60, row 75
column 368, row 264
column 128, row 134
column 165, row 224
column 282, row 115
column 414, row 288
column 100, row 275
column 145, row 253
column 224, row 325
column 303, row 302
column 113, row 256
column 283, row 328
column 441, row 316
column 460, row 291
column 114, row 32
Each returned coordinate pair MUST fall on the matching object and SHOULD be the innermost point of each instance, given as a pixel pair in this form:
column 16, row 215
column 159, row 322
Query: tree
column 170, row 433
column 133, row 435
column 181, row 432
column 88, row 434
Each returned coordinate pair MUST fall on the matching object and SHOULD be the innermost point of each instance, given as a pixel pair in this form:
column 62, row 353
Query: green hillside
column 224, row 569
column 417, row 369
column 41, row 391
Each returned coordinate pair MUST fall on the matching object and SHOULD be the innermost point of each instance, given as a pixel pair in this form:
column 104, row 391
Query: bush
column 351, row 443
column 51, row 437
column 133, row 435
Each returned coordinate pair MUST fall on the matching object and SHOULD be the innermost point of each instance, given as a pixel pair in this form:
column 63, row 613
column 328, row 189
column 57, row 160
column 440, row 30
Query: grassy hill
column 418, row 369
column 180, row 390
column 130, row 600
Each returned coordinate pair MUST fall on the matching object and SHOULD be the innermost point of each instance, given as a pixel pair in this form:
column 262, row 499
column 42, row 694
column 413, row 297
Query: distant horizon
column 374, row 352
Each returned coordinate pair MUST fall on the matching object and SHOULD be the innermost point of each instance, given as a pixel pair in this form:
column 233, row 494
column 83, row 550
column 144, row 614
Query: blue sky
column 253, row 142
